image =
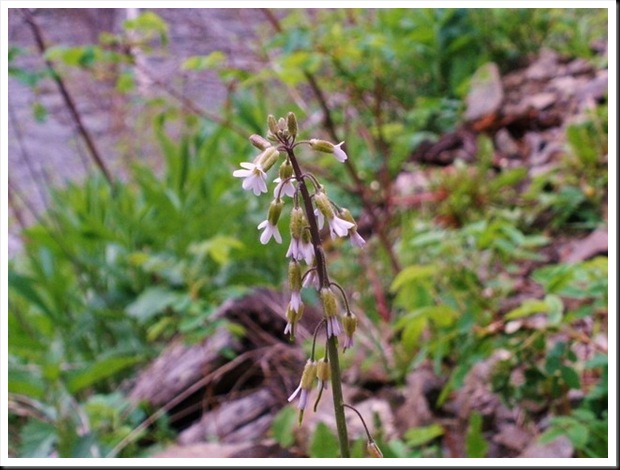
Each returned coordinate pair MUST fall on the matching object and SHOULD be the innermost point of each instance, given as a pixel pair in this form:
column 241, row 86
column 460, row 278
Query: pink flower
column 339, row 227
column 356, row 239
column 255, row 178
column 288, row 188
column 334, row 326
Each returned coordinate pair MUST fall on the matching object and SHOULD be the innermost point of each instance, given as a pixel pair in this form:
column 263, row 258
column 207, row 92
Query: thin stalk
column 332, row 346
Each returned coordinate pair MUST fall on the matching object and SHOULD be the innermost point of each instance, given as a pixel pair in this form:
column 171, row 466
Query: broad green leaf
column 412, row 273
column 283, row 426
column 423, row 434
column 26, row 383
column 151, row 302
column 323, row 443
column 97, row 371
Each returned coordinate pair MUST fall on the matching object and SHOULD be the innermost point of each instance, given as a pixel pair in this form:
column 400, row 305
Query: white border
column 612, row 31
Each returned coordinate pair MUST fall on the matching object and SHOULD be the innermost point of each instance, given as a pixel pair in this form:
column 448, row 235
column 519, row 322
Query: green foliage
column 323, row 443
column 283, row 426
column 476, row 445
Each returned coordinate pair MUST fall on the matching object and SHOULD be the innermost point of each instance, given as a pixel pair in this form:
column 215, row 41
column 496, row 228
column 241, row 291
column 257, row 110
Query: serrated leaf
column 37, row 439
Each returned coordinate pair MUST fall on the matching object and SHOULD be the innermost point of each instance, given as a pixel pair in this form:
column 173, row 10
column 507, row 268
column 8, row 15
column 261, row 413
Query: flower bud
column 346, row 215
column 297, row 222
column 259, row 142
column 373, row 450
column 308, row 375
column 323, row 371
column 349, row 323
column 268, row 158
column 286, row 170
column 322, row 146
column 275, row 209
column 294, row 276
column 281, row 124
column 273, row 125
column 292, row 124
column 330, row 305
column 324, row 205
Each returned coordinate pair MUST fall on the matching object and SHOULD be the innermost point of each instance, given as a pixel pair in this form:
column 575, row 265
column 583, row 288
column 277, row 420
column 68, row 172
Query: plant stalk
column 332, row 346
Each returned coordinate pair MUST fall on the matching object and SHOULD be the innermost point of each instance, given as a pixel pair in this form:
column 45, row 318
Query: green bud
column 323, row 371
column 286, row 170
column 259, row 142
column 322, row 146
column 292, row 124
column 346, row 215
column 294, row 275
column 308, row 375
column 275, row 209
column 373, row 450
column 272, row 124
column 268, row 158
column 297, row 222
column 330, row 305
column 324, row 205
column 349, row 323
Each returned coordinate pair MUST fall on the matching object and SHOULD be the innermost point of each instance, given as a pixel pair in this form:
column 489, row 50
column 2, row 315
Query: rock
column 512, row 437
column 541, row 101
column 545, row 67
column 581, row 250
column 486, row 93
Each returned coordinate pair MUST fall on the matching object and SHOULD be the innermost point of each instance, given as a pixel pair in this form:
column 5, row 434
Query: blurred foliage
column 112, row 273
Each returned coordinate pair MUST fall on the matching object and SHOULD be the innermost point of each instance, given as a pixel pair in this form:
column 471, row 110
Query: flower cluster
column 311, row 210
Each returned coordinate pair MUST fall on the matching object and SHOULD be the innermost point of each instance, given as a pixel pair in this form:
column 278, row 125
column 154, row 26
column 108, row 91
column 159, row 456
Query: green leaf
column 26, row 287
column 423, row 434
column 283, row 426
column 151, row 302
column 412, row 273
column 218, row 248
column 323, row 443
column 527, row 308
column 570, row 376
column 125, row 82
column 37, row 439
column 26, row 383
column 476, row 445
column 202, row 62
column 97, row 371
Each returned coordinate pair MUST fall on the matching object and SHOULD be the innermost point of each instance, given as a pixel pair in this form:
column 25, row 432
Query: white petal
column 263, row 224
column 241, row 173
column 294, row 394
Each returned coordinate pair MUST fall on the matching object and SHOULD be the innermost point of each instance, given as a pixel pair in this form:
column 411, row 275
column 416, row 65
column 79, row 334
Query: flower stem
column 332, row 346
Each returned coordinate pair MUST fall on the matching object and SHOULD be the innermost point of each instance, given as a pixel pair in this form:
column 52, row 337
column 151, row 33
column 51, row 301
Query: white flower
column 288, row 188
column 340, row 155
column 303, row 399
column 311, row 279
column 255, row 177
column 294, row 249
column 296, row 300
column 334, row 326
column 320, row 218
column 307, row 252
column 339, row 227
column 268, row 232
column 356, row 239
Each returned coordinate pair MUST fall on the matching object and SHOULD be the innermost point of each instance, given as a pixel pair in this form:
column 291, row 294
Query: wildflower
column 337, row 226
column 323, row 373
column 297, row 226
column 306, row 248
column 373, row 449
column 356, row 238
column 305, row 384
column 311, row 278
column 349, row 324
column 270, row 225
column 294, row 280
column 255, row 178
column 327, row 147
column 285, row 180
column 259, row 142
column 292, row 317
column 330, row 308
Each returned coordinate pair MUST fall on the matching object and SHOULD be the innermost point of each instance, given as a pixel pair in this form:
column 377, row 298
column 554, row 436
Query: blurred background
column 146, row 318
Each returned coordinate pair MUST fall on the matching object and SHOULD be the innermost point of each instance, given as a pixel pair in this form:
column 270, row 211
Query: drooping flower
column 284, row 187
column 294, row 281
column 323, row 373
column 327, row 147
column 330, row 308
column 254, row 178
column 268, row 232
column 339, row 227
column 292, row 317
column 270, row 225
column 305, row 385
column 349, row 323
column 340, row 155
column 311, row 279
column 356, row 238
